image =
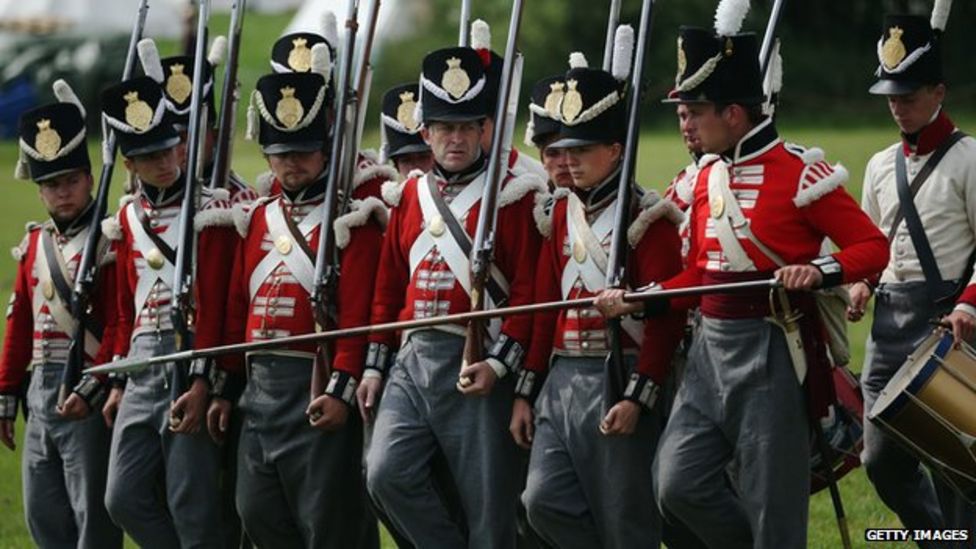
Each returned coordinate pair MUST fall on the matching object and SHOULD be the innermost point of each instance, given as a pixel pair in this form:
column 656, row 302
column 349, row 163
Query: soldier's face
column 297, row 170
column 66, row 195
column 456, row 145
column 406, row 163
column 556, row 163
column 591, row 164
column 689, row 129
column 713, row 127
column 160, row 169
column 915, row 110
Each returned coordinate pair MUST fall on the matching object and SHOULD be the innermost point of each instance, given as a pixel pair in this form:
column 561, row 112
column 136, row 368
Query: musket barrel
column 612, row 20
column 402, row 325
column 769, row 37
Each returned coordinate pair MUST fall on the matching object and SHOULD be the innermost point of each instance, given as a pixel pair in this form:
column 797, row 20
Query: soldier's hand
column 7, row 433
column 621, row 419
column 367, row 397
column 482, row 378
column 111, row 406
column 522, row 426
column 74, row 407
column 963, row 326
column 799, row 277
column 190, row 408
column 327, row 413
column 218, row 419
column 860, row 294
column 611, row 304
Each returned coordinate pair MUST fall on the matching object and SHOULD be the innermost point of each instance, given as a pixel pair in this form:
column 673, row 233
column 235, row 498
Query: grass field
column 661, row 156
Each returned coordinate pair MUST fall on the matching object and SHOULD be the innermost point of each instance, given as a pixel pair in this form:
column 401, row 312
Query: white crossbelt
column 592, row 271
column 450, row 250
column 297, row 262
column 59, row 310
column 143, row 243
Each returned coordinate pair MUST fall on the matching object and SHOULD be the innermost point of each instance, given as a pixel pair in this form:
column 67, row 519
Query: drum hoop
column 923, row 373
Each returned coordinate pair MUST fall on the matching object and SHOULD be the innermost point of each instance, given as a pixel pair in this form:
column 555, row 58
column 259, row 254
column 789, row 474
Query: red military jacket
column 416, row 280
column 793, row 199
column 145, row 284
column 569, row 268
column 39, row 321
column 240, row 191
column 369, row 178
column 272, row 281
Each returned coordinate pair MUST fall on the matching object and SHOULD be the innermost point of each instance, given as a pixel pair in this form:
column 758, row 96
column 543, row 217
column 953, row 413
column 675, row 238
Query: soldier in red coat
column 299, row 480
column 424, row 272
column 587, row 489
column 65, row 449
column 760, row 208
column 145, row 447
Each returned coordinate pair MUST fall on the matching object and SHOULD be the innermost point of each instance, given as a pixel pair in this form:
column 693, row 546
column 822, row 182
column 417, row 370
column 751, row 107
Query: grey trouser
column 63, row 471
column 901, row 315
column 586, row 489
column 421, row 410
column 297, row 486
column 739, row 400
column 146, row 456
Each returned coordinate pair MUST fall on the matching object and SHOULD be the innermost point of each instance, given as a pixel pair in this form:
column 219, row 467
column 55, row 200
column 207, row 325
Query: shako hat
column 287, row 113
column 53, row 140
column 910, row 52
column 399, row 127
column 136, row 110
column 452, row 86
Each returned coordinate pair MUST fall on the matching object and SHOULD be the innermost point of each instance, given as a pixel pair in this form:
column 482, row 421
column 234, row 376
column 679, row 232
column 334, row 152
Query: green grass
column 661, row 156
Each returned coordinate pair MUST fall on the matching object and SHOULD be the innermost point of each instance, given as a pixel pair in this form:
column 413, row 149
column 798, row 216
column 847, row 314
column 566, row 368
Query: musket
column 769, row 37
column 483, row 247
column 616, row 369
column 229, row 96
column 355, row 108
column 182, row 301
column 88, row 265
column 139, row 363
column 612, row 20
column 326, row 264
column 464, row 27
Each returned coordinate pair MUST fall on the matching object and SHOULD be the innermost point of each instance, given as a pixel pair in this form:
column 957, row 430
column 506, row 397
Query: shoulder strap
column 168, row 252
column 906, row 199
column 923, row 175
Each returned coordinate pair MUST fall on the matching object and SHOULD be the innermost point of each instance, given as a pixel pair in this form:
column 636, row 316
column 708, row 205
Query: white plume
column 480, row 35
column 940, row 14
column 65, row 94
column 623, row 52
column 218, row 51
column 330, row 29
column 776, row 71
column 149, row 57
column 322, row 61
column 578, row 61
column 729, row 16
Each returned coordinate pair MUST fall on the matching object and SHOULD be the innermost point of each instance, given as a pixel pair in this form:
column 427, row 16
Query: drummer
column 930, row 273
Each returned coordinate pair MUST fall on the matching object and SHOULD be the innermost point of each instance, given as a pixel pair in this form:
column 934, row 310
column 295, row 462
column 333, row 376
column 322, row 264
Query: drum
column 843, row 430
column 930, row 406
